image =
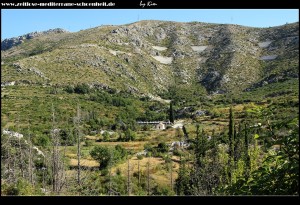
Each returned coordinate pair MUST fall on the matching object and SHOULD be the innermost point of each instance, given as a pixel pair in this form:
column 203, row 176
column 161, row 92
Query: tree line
column 255, row 156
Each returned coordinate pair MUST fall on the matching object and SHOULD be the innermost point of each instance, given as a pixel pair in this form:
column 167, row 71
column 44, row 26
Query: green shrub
column 177, row 152
column 41, row 140
column 105, row 136
column 82, row 89
column 69, row 89
column 21, row 188
column 139, row 157
column 148, row 147
column 162, row 147
column 88, row 142
column 102, row 155
column 162, row 191
column 119, row 153
column 130, row 135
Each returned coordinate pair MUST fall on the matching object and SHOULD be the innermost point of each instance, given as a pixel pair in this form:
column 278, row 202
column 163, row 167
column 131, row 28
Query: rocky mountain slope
column 8, row 43
column 148, row 57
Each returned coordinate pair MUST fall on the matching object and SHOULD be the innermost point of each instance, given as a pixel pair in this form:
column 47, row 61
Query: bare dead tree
column 14, row 169
column 15, row 166
column 62, row 173
column 128, row 177
column 54, row 154
column 148, row 177
column 30, row 163
column 139, row 174
column 21, row 159
column 77, row 121
column 110, row 189
column 171, row 174
column 58, row 174
column 6, row 160
column 43, row 170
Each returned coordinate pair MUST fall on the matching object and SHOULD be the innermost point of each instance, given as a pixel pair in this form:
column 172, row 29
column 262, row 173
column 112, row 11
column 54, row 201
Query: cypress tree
column 237, row 143
column 247, row 157
column 198, row 146
column 182, row 182
column 234, row 145
column 231, row 133
column 231, row 143
column 171, row 114
column 185, row 132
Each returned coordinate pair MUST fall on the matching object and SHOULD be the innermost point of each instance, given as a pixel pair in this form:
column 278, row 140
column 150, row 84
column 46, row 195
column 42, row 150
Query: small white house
column 160, row 126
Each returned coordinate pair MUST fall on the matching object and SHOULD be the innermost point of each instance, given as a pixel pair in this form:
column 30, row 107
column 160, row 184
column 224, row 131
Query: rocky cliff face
column 10, row 42
column 150, row 56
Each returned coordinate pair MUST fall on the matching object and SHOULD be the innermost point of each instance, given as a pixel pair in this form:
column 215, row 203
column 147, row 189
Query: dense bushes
column 279, row 172
column 41, row 140
column 184, row 96
column 108, row 156
column 109, row 99
column 21, row 188
column 67, row 137
column 82, row 89
column 156, row 151
column 162, row 147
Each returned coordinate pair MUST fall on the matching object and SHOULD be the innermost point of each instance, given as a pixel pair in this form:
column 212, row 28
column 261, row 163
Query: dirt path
column 178, row 123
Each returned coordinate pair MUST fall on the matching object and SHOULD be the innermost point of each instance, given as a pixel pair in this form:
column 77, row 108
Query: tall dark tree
column 231, row 133
column 182, row 182
column 201, row 176
column 234, row 145
column 171, row 174
column 171, row 113
column 139, row 172
column 200, row 144
column 246, row 154
column 239, row 145
column 186, row 135
column 198, row 148
column 231, row 137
